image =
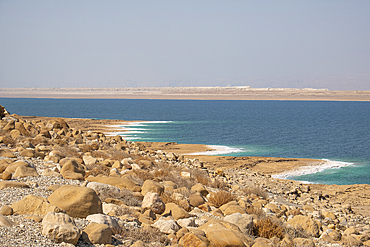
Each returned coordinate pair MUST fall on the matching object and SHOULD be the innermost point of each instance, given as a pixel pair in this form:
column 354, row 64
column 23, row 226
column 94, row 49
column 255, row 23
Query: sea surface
column 338, row 132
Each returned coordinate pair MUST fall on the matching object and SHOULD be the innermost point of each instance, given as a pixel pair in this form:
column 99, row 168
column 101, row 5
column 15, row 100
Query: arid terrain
column 194, row 93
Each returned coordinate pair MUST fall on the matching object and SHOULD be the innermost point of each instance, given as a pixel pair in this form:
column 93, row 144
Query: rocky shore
column 62, row 184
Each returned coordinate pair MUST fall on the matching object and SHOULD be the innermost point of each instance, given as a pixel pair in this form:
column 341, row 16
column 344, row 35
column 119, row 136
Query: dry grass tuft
column 220, row 198
column 218, row 184
column 201, row 177
column 256, row 191
column 97, row 169
column 268, row 228
column 256, row 211
column 167, row 198
column 143, row 174
column 147, row 235
column 69, row 151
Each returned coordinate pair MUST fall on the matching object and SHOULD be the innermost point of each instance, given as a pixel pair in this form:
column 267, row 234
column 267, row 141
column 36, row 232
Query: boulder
column 192, row 240
column 9, row 126
column 188, row 222
column 97, row 234
column 152, row 186
column 88, row 160
column 7, row 153
column 28, row 152
column 105, row 191
column 12, row 167
column 303, row 242
column 6, row 175
column 6, row 210
column 9, row 184
column 113, row 209
column 76, row 201
column 196, row 199
column 32, row 204
column 60, row 228
column 243, row 221
column 166, row 225
column 154, row 202
column 110, row 221
column 73, row 170
column 4, row 221
column 175, row 211
column 122, row 183
column 306, row 223
column 24, row 171
column 200, row 188
column 232, row 208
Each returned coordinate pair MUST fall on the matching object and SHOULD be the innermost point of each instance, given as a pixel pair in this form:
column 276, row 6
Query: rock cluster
column 64, row 186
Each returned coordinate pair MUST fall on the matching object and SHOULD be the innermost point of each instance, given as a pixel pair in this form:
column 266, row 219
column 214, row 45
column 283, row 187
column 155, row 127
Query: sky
column 119, row 43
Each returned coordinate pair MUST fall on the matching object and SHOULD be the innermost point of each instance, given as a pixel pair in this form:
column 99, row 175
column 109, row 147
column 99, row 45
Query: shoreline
column 188, row 93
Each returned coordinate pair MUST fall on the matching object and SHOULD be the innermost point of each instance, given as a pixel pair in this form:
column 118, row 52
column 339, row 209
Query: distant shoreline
column 188, row 93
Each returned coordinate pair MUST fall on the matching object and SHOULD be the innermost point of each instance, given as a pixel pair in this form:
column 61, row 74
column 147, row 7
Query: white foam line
column 126, row 129
column 305, row 170
column 218, row 149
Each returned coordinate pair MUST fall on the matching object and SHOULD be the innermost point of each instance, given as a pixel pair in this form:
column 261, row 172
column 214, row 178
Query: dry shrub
column 256, row 211
column 256, row 191
column 220, row 198
column 296, row 232
column 97, row 169
column 69, row 151
column 128, row 198
column 167, row 198
column 143, row 174
column 147, row 235
column 268, row 228
column 219, row 184
column 201, row 177
column 100, row 154
column 118, row 154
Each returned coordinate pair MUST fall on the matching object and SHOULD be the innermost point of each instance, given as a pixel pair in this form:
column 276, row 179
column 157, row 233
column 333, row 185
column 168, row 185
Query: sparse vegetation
column 220, row 198
column 268, row 228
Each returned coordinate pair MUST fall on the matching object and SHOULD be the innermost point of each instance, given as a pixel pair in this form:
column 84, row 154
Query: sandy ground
column 188, row 93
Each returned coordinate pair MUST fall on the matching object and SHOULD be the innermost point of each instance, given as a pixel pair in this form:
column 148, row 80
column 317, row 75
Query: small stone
column 6, row 210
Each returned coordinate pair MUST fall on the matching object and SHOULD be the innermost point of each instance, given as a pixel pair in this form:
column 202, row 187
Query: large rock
column 192, row 240
column 12, row 167
column 4, row 221
column 24, row 171
column 200, row 188
column 76, row 201
column 7, row 153
column 73, row 170
column 166, row 225
column 60, row 228
column 152, row 186
column 196, row 199
column 243, row 221
column 9, row 184
column 105, row 191
column 122, row 183
column 305, row 222
column 97, row 234
column 175, row 211
column 110, row 221
column 32, row 204
column 154, row 202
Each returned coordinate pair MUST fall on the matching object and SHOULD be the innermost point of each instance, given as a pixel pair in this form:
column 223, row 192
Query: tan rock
column 36, row 218
column 24, row 171
column 32, row 204
column 303, row 242
column 199, row 188
column 335, row 235
column 73, row 170
column 122, row 183
column 97, row 234
column 243, row 221
column 153, row 202
column 351, row 241
column 175, row 211
column 76, row 201
column 7, row 153
column 232, row 208
column 6, row 175
column 6, row 210
column 112, row 222
column 166, row 225
column 192, row 240
column 9, row 126
column 5, row 221
column 308, row 224
column 14, row 134
column 8, row 184
column 60, row 228
column 152, row 186
column 29, row 152
column 12, row 167
column 196, row 199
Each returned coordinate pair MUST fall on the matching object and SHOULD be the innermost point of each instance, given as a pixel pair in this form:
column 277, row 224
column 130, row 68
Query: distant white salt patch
column 218, row 150
column 305, row 170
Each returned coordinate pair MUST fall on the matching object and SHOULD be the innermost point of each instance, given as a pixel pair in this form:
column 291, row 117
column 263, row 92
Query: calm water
column 339, row 131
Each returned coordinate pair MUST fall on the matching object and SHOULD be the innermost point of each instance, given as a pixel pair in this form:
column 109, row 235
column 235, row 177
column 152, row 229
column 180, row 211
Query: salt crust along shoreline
column 305, row 170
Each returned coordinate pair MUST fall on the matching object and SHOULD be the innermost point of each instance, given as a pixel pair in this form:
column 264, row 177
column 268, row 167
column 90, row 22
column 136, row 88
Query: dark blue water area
column 297, row 129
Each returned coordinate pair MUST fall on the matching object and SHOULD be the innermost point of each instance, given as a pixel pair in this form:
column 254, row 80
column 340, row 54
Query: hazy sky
column 117, row 43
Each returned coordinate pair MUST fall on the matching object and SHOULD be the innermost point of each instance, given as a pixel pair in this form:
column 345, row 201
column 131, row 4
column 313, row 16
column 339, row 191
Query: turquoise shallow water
column 338, row 131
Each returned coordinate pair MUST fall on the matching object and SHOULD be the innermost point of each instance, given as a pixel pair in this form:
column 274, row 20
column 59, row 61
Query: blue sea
column 335, row 131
